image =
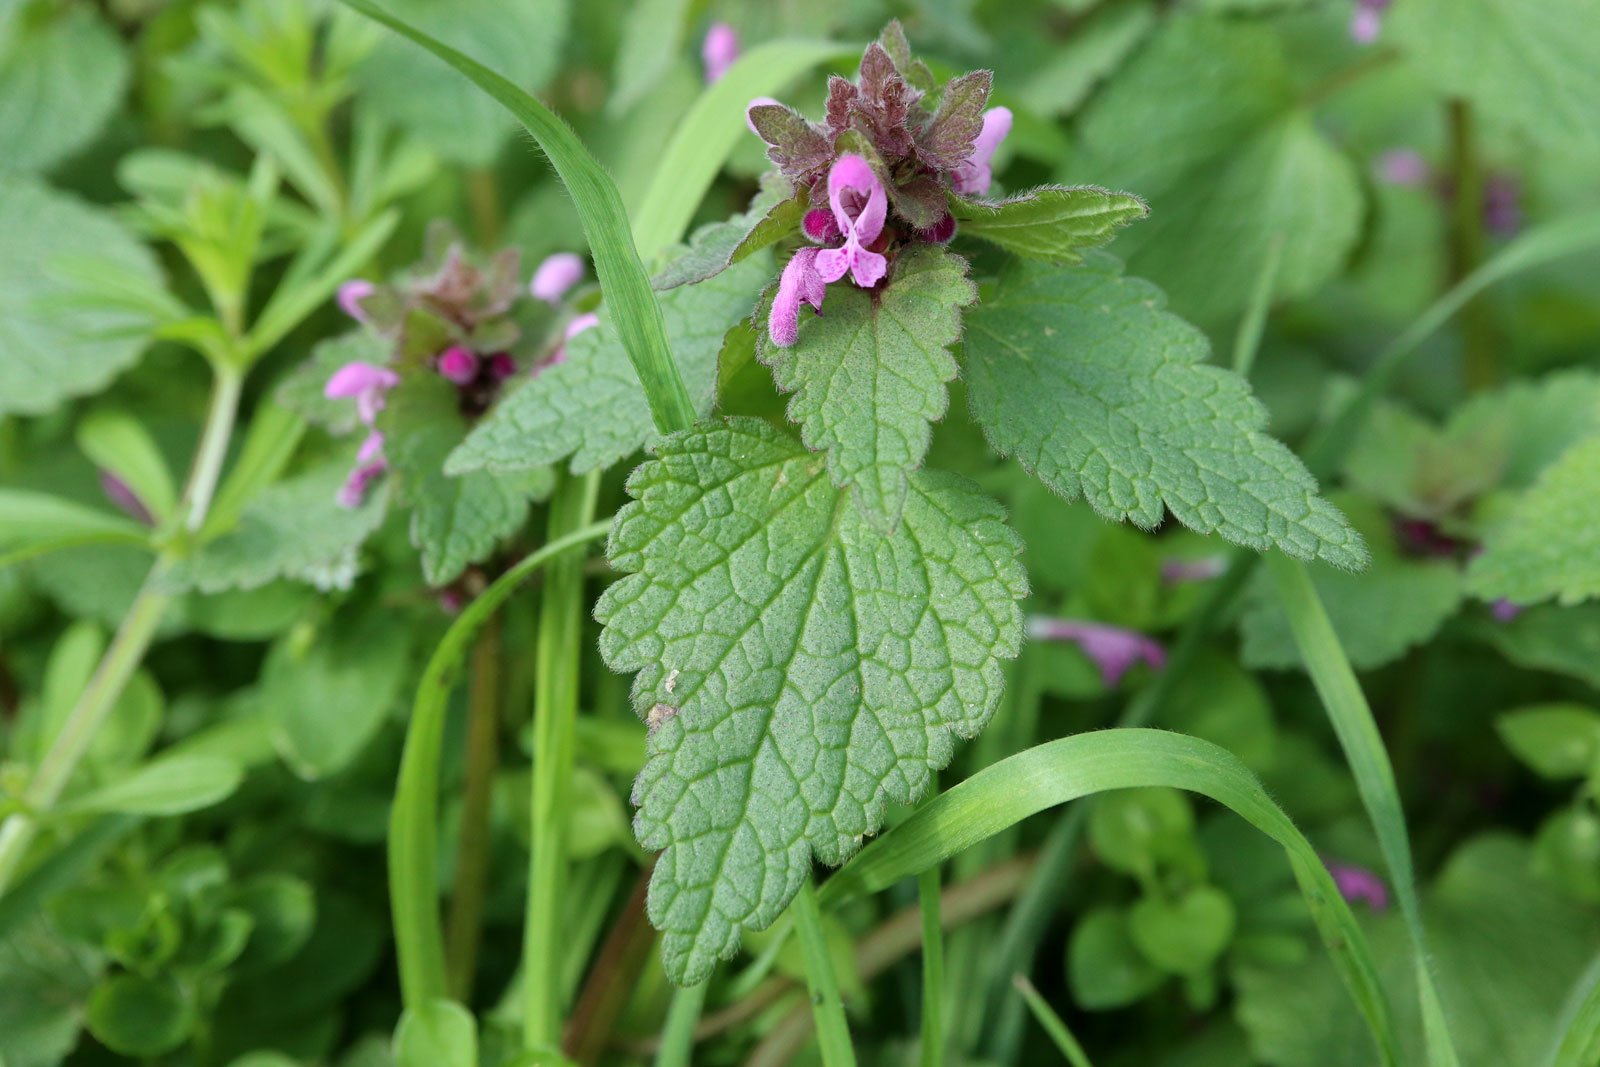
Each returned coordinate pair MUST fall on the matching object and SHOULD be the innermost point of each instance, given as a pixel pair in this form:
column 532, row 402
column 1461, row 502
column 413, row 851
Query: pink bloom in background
column 1176, row 571
column 1504, row 610
column 127, row 501
column 457, row 365
column 975, row 173
column 578, row 325
column 1113, row 649
column 800, row 284
column 370, row 465
column 1502, row 205
column 367, row 383
column 720, row 49
column 1403, row 166
column 1367, row 21
column 555, row 276
column 1359, row 884
column 351, row 293
column 859, row 208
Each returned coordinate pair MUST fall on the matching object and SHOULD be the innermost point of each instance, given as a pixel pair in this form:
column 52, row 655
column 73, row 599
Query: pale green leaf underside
column 1550, row 544
column 1532, row 63
column 295, row 529
column 868, row 374
column 591, row 407
column 1234, row 174
column 54, row 343
column 800, row 668
column 61, row 76
column 1051, row 223
column 1096, row 389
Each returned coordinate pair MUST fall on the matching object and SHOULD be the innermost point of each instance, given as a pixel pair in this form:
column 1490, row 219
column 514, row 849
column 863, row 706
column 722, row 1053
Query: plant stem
column 928, row 889
column 677, row 1037
column 127, row 649
column 833, row 1031
column 1468, row 245
column 465, row 928
column 555, row 702
column 1064, row 1041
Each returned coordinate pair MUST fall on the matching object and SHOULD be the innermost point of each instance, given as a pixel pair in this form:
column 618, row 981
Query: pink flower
column 719, row 51
column 799, row 284
column 367, row 382
column 1367, row 21
column 1176, row 571
column 1504, row 610
column 1402, row 166
column 819, row 225
column 457, row 365
column 859, row 208
column 974, row 174
column 1358, row 883
column 578, row 325
column 502, row 366
column 370, row 466
column 351, row 293
column 556, row 275
column 1113, row 649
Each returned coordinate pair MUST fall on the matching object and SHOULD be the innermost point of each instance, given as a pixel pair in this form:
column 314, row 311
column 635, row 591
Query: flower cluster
column 455, row 321
column 886, row 161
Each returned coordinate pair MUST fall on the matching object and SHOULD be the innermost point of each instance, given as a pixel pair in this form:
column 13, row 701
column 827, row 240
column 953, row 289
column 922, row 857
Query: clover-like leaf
column 798, row 667
column 868, row 376
column 1100, row 392
column 591, row 407
column 1050, row 223
column 1547, row 546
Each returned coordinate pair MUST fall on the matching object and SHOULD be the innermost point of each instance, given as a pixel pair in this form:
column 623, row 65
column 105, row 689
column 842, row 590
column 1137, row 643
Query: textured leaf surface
column 301, row 391
column 1378, row 614
column 1534, row 64
column 54, row 344
column 1051, row 222
column 61, row 75
column 295, row 529
column 455, row 521
column 1550, row 544
column 521, row 41
column 591, row 407
column 1229, row 172
column 1100, row 392
column 774, row 214
column 868, row 375
column 798, row 667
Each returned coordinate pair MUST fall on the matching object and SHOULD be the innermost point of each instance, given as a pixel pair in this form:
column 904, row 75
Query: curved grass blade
column 1577, row 1041
column 1079, row 766
column 605, row 224
column 713, row 125
column 414, row 823
column 1351, row 716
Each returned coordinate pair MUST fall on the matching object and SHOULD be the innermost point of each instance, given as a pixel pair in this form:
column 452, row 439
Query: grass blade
column 1577, row 1042
column 1352, row 720
column 605, row 224
column 833, row 1032
column 707, row 134
column 1079, row 766
column 677, row 1037
column 928, row 890
column 414, row 822
column 1042, row 1011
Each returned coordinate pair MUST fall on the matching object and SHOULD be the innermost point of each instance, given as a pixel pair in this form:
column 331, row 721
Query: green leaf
column 441, row 108
column 774, row 214
column 869, row 375
column 139, row 1016
column 799, row 668
column 1396, row 604
column 1104, row 967
column 1556, row 740
column 1100, row 392
column 1097, row 47
column 652, row 40
column 1528, row 65
column 1057, row 772
column 32, row 523
column 1049, row 223
column 62, row 73
column 168, row 785
column 1134, row 830
column 455, row 521
column 440, row 1033
column 1548, row 638
column 590, row 407
column 56, row 343
column 1184, row 935
column 1229, row 172
column 44, row 981
column 283, row 910
column 1547, row 547
column 328, row 693
column 294, row 529
column 117, row 442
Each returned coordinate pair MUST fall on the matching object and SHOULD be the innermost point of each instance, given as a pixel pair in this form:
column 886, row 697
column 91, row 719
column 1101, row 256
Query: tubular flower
column 974, row 174
column 457, row 365
column 800, row 284
column 556, row 275
column 1359, row 884
column 351, row 293
column 366, row 383
column 859, row 208
column 719, row 51
column 1113, row 649
column 1367, row 21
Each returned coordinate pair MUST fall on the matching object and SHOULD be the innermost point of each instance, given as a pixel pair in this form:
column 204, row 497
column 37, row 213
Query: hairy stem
column 555, row 702
column 465, row 927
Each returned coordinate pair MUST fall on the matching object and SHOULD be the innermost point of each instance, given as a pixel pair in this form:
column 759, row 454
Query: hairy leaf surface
column 1052, row 222
column 1548, row 546
column 798, row 668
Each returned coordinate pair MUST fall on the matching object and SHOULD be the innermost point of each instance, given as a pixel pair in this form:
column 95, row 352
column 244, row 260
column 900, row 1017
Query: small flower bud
column 555, row 276
column 720, row 50
column 457, row 365
column 502, row 366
